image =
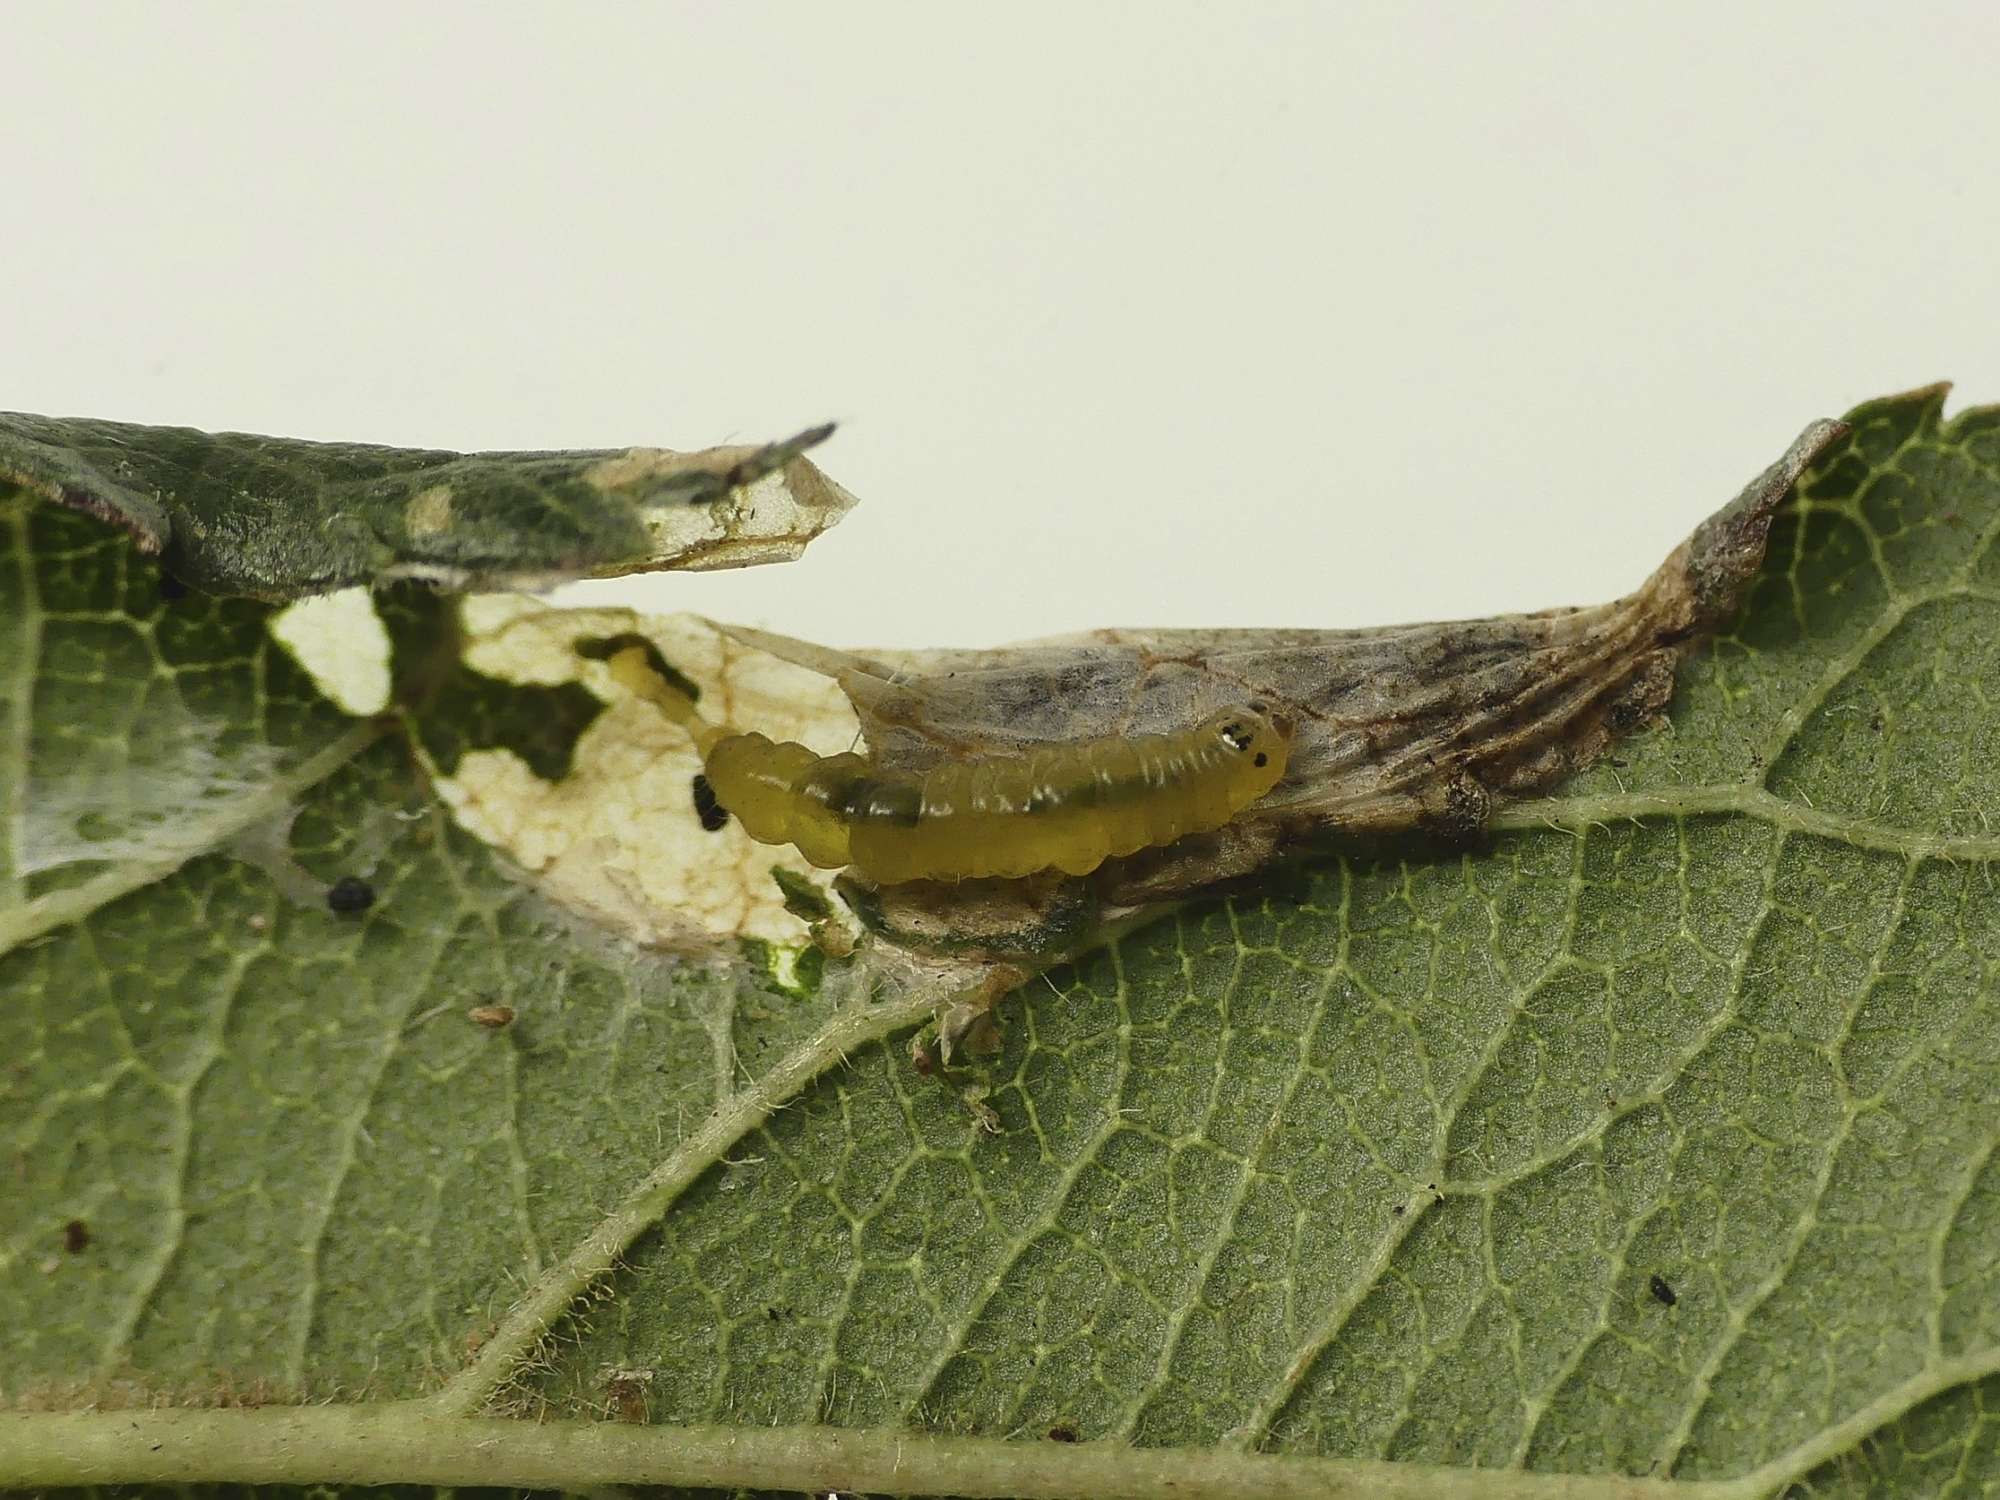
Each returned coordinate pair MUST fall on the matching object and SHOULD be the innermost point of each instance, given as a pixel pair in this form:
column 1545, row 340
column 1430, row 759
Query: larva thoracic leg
column 1065, row 807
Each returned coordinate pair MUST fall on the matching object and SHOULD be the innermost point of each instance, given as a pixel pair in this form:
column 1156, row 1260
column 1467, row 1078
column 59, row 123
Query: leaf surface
column 1655, row 1137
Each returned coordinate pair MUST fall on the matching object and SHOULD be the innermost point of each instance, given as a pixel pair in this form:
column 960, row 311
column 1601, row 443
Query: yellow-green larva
column 1061, row 806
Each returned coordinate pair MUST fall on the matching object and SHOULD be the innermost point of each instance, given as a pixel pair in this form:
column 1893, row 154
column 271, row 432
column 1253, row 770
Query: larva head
column 1258, row 741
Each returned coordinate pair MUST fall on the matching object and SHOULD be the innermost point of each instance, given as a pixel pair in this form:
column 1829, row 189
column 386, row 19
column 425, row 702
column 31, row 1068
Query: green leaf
column 1655, row 1137
column 235, row 513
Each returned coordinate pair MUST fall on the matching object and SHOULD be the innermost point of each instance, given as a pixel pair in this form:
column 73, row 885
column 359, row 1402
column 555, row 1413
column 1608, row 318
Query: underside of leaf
column 1644, row 1146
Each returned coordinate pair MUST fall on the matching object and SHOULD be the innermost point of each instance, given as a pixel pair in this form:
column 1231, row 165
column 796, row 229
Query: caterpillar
column 1060, row 806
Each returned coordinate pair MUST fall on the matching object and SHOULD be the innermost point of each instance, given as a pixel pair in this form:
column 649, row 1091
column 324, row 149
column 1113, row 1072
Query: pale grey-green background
column 1134, row 314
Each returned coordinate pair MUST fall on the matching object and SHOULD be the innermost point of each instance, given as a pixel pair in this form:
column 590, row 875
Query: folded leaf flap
column 1727, row 549
column 278, row 518
column 1391, row 721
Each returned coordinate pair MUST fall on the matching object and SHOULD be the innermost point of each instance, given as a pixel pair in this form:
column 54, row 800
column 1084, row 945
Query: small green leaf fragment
column 804, row 898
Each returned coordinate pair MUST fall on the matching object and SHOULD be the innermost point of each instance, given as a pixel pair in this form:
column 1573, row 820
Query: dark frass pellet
column 710, row 811
column 76, row 1236
column 1663, row 1294
column 350, row 894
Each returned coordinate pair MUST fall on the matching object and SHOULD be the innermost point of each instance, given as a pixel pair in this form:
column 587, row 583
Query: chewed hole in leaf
column 339, row 640
column 621, row 838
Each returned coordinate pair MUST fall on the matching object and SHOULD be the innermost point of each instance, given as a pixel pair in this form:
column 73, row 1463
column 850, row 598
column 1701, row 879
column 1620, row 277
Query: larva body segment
column 782, row 793
column 1066, row 807
column 1063, row 807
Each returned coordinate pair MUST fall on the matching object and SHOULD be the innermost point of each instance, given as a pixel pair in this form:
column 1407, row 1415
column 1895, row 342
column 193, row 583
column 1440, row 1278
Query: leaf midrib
column 409, row 1442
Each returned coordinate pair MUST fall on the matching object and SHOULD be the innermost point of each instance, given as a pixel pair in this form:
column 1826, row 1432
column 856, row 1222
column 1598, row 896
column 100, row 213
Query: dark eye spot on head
column 1258, row 708
column 1262, row 760
column 350, row 894
column 1235, row 736
column 711, row 812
